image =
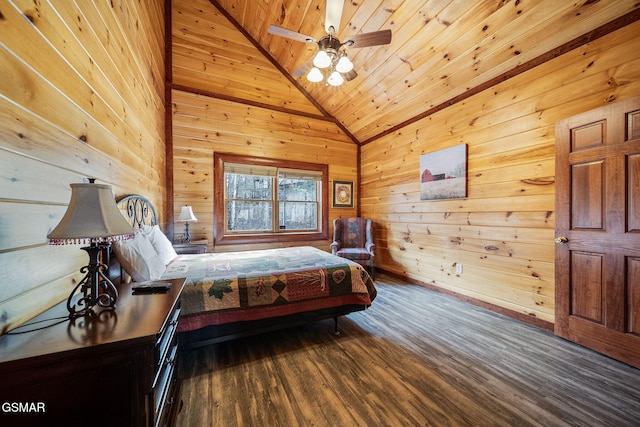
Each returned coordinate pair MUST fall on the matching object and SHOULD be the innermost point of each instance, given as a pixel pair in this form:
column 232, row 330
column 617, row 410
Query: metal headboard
column 138, row 210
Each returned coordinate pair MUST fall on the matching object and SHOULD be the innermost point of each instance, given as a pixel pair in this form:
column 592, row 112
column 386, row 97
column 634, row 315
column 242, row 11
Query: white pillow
column 139, row 259
column 160, row 243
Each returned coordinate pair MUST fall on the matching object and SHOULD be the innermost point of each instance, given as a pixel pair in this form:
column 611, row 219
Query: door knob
column 561, row 240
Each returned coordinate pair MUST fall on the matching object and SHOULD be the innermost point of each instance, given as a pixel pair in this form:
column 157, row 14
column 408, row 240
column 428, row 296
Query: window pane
column 297, row 189
column 253, row 187
column 248, row 216
column 298, row 209
column 298, row 215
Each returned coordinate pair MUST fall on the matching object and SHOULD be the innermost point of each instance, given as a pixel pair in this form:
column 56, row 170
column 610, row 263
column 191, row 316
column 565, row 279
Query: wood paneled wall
column 203, row 125
column 230, row 99
column 81, row 95
column 503, row 232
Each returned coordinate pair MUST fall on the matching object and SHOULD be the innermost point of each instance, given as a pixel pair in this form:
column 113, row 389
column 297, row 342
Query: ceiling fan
column 331, row 60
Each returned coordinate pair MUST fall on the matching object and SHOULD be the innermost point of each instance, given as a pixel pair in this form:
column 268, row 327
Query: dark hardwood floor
column 415, row 358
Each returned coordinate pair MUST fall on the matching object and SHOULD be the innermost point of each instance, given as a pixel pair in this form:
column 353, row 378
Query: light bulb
column 335, row 79
column 322, row 60
column 315, row 75
column 344, row 65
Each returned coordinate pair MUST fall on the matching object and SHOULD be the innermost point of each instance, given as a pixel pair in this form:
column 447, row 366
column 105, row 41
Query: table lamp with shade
column 92, row 218
column 187, row 216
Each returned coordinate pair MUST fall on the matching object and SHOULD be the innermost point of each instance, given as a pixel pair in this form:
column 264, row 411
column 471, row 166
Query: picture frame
column 443, row 174
column 342, row 194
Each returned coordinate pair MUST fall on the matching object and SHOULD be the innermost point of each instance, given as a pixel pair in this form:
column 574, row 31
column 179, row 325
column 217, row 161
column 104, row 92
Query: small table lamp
column 92, row 218
column 186, row 216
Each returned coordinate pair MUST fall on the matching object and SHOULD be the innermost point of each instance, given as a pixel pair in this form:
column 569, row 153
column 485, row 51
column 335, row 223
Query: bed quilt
column 236, row 286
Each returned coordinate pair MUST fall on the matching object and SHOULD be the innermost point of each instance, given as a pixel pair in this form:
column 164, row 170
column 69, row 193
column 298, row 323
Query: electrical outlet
column 458, row 268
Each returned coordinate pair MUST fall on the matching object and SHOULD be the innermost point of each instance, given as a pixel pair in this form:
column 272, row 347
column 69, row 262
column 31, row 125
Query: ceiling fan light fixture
column 344, row 64
column 335, row 79
column 322, row 59
column 315, row 75
column 331, row 59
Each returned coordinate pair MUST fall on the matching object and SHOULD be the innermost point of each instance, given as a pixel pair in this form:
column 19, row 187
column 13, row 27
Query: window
column 264, row 200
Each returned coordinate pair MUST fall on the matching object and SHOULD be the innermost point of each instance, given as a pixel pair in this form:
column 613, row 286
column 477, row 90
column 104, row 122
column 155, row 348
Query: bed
column 233, row 294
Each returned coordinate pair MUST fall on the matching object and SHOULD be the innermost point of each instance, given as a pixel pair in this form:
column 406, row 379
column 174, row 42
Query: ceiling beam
column 235, row 99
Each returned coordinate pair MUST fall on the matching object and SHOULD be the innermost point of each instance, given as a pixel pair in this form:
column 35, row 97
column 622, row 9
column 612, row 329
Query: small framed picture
column 342, row 194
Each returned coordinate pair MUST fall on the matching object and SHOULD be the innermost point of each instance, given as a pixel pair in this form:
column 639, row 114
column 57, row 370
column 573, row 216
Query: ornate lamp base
column 95, row 289
column 187, row 235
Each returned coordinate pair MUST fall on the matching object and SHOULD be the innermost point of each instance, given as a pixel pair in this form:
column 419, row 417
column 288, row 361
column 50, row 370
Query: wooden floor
column 415, row 358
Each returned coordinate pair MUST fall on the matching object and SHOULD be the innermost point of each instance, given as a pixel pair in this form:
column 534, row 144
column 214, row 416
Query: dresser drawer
column 162, row 396
column 166, row 349
column 166, row 341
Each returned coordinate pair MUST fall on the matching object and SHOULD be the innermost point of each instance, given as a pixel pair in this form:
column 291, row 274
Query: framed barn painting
column 443, row 174
column 342, row 194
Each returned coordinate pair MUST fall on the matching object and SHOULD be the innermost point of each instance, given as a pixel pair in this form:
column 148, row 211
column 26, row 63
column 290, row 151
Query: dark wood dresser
column 115, row 368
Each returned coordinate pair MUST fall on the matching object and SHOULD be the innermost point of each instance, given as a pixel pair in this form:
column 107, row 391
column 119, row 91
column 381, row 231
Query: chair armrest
column 335, row 246
column 370, row 246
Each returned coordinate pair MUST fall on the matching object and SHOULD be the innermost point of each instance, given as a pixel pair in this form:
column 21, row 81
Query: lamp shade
column 91, row 217
column 335, row 79
column 315, row 75
column 344, row 64
column 186, row 215
column 322, row 59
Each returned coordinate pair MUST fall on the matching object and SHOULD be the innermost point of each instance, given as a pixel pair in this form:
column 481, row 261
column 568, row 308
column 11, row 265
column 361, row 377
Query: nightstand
column 194, row 247
column 115, row 368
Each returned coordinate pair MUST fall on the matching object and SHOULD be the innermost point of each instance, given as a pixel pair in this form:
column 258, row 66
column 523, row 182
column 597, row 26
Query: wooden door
column 598, row 230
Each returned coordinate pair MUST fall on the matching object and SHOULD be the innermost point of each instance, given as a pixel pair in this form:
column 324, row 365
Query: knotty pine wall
column 81, row 95
column 203, row 125
column 503, row 232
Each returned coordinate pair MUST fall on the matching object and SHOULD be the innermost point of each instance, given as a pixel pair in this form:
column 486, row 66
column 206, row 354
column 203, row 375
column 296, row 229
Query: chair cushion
column 354, row 253
column 353, row 232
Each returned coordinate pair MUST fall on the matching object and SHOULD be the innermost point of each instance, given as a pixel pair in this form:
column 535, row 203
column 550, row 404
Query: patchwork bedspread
column 237, row 286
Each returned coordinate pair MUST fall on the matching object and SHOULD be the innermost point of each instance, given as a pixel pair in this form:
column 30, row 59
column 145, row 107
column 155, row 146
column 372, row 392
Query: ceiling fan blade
column 302, row 70
column 350, row 75
column 283, row 32
column 375, row 38
column 333, row 16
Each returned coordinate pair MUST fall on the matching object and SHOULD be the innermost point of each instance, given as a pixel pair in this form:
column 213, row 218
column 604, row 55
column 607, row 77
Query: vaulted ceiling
column 441, row 51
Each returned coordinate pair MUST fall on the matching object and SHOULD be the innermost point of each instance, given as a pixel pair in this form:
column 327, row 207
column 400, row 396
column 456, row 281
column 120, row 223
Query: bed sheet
column 250, row 285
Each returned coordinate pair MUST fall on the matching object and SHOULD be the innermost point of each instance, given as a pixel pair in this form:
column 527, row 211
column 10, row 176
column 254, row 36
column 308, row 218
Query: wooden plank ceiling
column 441, row 50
